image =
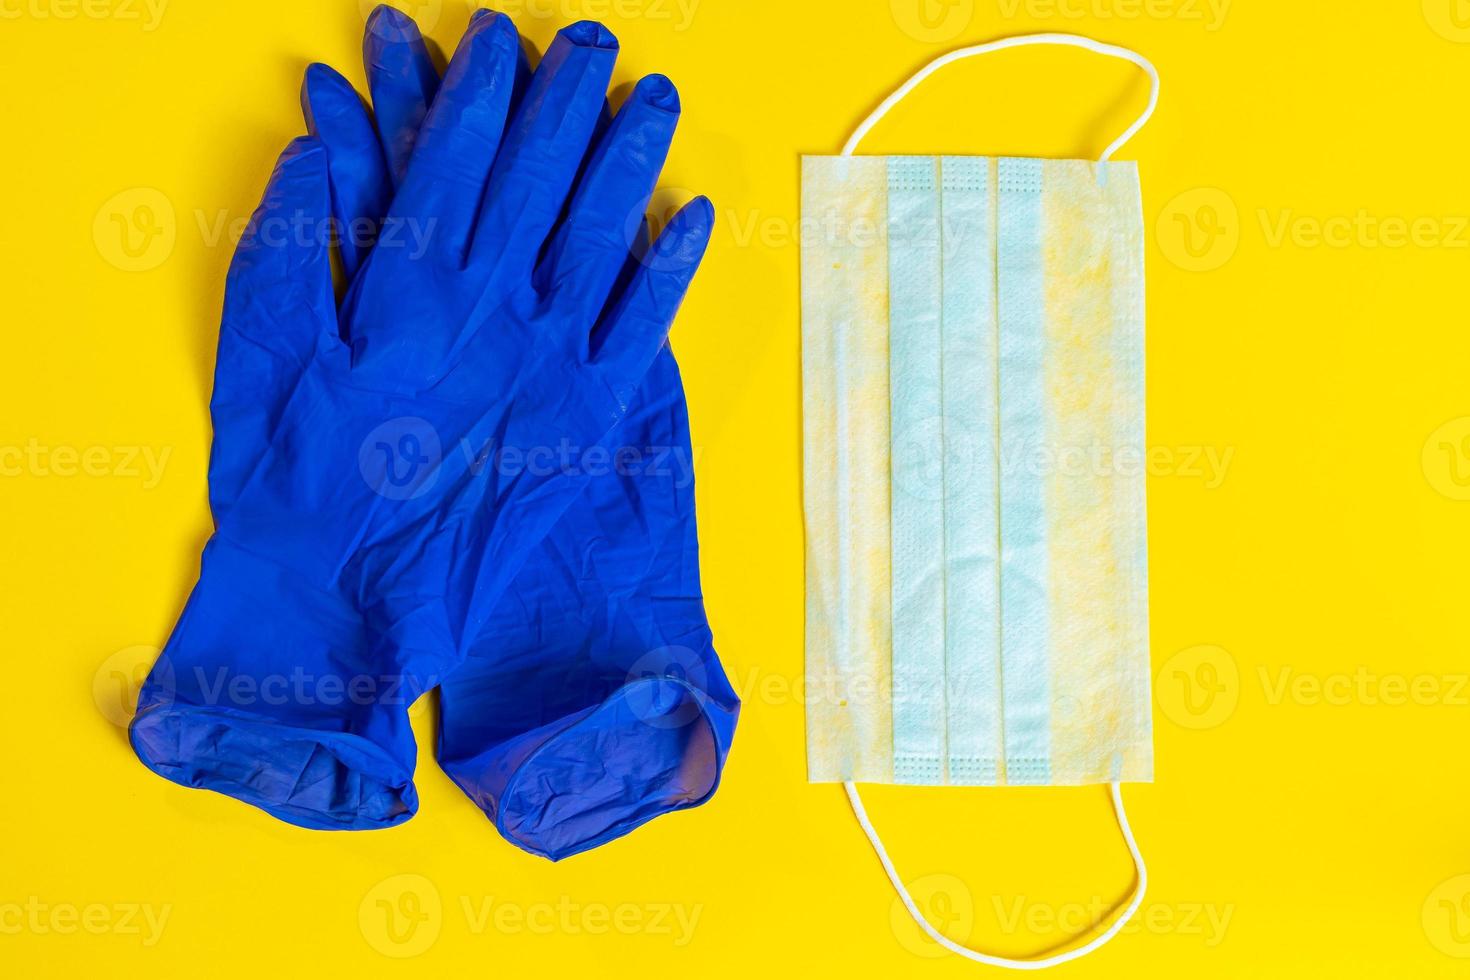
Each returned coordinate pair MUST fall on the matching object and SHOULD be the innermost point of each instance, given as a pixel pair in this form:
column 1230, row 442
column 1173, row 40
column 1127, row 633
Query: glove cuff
column 654, row 746
column 264, row 693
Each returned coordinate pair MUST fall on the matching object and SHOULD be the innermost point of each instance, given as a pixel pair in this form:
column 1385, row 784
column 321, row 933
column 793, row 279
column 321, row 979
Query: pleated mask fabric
column 974, row 439
column 977, row 564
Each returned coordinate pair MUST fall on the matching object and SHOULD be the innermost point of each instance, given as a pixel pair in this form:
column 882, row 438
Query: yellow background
column 1308, row 601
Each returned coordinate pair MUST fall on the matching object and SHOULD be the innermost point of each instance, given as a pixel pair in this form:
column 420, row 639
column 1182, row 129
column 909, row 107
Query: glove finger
column 361, row 188
column 635, row 327
column 456, row 147
column 278, row 303
column 402, row 80
column 543, row 150
column 522, row 84
column 632, row 262
column 590, row 246
column 604, row 120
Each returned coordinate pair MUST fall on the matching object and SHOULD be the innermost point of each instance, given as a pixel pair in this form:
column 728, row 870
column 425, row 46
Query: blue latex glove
column 593, row 700
column 364, row 545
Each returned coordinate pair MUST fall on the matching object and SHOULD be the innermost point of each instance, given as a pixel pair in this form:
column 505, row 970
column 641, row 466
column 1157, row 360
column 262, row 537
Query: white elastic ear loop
column 1001, row 961
column 1023, row 40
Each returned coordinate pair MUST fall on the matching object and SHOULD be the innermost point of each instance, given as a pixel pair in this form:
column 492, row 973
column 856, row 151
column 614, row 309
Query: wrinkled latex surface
column 594, row 700
column 589, row 698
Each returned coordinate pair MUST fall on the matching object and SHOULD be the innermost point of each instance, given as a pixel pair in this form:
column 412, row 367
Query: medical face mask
column 972, row 363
